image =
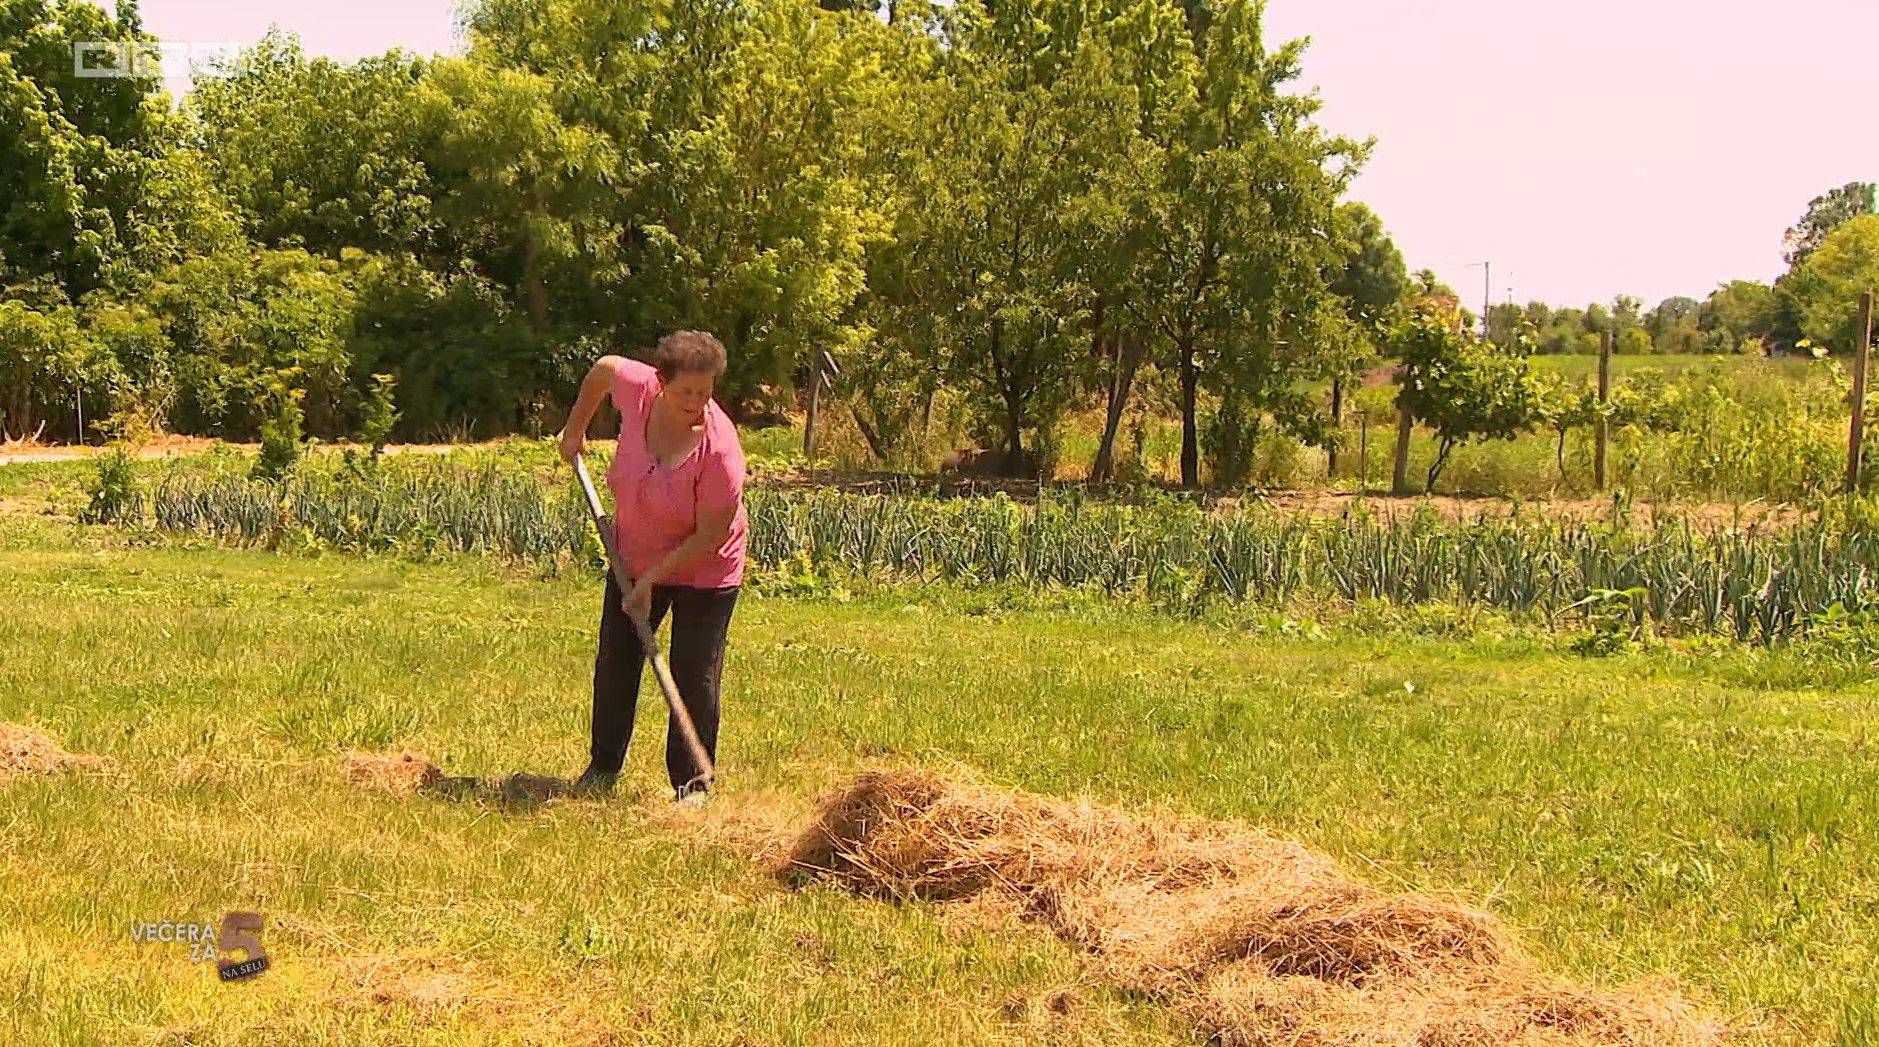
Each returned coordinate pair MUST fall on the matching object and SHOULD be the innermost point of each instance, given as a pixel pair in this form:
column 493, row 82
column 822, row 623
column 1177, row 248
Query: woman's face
column 689, row 392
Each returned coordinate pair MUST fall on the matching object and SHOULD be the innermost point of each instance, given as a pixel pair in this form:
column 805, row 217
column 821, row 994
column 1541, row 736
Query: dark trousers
column 701, row 620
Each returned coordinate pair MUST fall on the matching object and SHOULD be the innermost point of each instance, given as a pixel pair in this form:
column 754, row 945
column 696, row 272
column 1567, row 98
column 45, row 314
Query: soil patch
column 407, row 773
column 1704, row 515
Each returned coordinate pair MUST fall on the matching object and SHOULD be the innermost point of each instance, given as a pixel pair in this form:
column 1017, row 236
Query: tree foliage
column 1827, row 285
column 1826, row 213
column 991, row 213
column 1464, row 390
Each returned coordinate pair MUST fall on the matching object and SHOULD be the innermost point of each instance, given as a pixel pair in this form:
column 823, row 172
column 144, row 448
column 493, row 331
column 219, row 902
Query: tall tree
column 1370, row 277
column 1153, row 46
column 1825, row 213
column 735, row 128
column 1029, row 141
column 75, row 152
column 320, row 154
column 1826, row 286
column 1235, row 283
column 1673, row 325
column 1372, row 282
column 1736, row 314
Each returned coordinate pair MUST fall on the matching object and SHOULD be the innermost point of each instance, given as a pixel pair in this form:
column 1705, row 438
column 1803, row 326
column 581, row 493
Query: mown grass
column 223, row 687
column 1703, row 818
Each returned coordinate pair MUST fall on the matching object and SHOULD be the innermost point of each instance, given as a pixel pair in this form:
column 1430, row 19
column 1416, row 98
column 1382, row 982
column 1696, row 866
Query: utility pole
column 1487, row 297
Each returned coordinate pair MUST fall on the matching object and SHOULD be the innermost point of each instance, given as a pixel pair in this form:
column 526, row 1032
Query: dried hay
column 26, row 751
column 760, row 825
column 1261, row 940
column 402, row 773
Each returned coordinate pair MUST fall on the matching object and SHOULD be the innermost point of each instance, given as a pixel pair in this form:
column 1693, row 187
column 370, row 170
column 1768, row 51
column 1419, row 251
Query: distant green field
column 1794, row 367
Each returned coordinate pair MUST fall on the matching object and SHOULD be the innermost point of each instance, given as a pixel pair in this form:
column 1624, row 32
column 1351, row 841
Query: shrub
column 116, row 496
column 280, row 435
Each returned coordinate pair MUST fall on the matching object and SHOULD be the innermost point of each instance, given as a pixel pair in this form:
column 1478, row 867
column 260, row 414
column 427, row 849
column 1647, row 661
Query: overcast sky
column 1647, row 147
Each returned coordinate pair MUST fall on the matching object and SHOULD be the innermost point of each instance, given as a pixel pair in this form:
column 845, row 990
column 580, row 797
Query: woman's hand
column 573, row 443
column 639, row 601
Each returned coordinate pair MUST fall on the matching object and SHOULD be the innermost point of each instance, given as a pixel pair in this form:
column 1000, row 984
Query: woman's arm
column 713, row 530
column 594, row 388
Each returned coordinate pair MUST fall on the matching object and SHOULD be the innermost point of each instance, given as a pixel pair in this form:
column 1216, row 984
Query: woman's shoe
column 594, row 782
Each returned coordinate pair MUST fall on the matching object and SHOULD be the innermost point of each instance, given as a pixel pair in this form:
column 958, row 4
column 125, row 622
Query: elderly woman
column 678, row 483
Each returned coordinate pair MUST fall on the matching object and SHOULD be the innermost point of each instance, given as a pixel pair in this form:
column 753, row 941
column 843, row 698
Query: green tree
column 1826, row 213
column 74, row 151
column 1826, row 286
column 319, row 154
column 44, row 362
column 1370, row 277
column 1235, row 282
column 893, row 385
column 1673, row 326
column 463, row 352
column 1372, row 281
column 736, row 132
column 1737, row 314
column 1564, row 405
column 1464, row 390
column 1024, row 151
column 242, row 324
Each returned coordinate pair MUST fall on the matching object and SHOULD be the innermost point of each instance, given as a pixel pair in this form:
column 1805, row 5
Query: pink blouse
column 655, row 507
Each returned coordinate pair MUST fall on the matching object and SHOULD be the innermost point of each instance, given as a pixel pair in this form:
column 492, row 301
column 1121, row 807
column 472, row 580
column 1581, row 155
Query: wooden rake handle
column 647, row 642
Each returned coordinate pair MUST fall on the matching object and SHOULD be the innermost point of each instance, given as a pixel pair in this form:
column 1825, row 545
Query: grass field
column 1706, row 819
column 1586, row 366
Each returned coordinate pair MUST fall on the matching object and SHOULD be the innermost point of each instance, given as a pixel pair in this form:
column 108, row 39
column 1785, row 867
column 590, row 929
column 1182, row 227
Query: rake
column 647, row 641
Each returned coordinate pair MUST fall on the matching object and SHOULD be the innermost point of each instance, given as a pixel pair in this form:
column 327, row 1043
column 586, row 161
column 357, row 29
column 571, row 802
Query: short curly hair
column 689, row 352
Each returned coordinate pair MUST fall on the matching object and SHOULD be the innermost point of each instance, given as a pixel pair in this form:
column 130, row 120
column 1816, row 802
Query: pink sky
column 1647, row 147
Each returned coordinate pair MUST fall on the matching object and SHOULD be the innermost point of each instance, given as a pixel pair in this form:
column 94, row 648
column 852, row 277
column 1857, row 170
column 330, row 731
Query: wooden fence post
column 1337, row 425
column 1603, row 427
column 1856, row 434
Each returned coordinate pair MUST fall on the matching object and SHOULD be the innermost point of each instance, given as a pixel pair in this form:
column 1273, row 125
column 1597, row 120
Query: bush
column 380, row 414
column 280, row 435
column 116, row 496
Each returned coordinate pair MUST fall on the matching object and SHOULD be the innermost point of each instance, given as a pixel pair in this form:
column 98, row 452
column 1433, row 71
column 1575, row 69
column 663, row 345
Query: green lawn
column 1656, row 814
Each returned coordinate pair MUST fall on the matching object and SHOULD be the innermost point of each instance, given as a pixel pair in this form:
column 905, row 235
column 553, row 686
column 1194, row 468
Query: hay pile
column 401, row 773
column 26, row 751
column 1261, row 940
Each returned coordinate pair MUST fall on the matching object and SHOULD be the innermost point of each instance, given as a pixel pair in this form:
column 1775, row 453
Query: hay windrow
column 1262, row 941
column 24, row 750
